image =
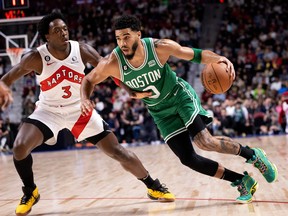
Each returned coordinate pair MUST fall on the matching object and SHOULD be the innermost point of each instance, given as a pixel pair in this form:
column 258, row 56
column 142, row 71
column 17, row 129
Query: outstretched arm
column 166, row 48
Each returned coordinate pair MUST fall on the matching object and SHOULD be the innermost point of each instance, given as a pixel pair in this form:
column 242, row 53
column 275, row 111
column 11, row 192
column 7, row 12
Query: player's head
column 127, row 32
column 53, row 25
column 127, row 21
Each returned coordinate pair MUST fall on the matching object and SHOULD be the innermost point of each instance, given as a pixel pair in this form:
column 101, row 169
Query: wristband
column 197, row 55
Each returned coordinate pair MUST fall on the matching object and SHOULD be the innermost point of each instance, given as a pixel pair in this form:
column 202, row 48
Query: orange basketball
column 215, row 79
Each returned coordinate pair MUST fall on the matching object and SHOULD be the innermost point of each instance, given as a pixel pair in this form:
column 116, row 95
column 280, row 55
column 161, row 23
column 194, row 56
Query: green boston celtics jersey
column 150, row 76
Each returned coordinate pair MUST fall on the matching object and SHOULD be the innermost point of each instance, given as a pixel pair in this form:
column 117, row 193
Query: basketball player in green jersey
column 141, row 66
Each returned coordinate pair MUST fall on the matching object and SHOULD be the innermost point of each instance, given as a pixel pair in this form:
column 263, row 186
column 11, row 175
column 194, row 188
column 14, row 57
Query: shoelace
column 163, row 188
column 25, row 199
column 242, row 189
column 260, row 165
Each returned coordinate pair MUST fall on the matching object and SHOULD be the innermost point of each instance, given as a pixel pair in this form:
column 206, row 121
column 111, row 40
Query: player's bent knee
column 20, row 151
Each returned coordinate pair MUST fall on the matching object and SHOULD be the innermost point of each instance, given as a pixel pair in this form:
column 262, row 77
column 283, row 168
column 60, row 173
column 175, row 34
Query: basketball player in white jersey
column 59, row 65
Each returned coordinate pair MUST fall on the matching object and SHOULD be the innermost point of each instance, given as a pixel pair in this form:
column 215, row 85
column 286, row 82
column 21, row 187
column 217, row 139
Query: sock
column 148, row 181
column 245, row 152
column 24, row 169
column 231, row 176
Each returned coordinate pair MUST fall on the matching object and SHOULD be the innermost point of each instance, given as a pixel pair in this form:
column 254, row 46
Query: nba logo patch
column 74, row 60
column 47, row 58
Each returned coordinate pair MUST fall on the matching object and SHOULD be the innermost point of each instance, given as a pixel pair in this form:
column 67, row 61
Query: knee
column 189, row 160
column 201, row 164
column 20, row 151
column 186, row 162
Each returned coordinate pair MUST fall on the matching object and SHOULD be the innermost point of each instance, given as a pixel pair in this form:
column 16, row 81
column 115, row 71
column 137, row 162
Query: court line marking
column 139, row 198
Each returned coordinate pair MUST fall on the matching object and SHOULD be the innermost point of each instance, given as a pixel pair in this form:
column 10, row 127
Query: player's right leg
column 30, row 136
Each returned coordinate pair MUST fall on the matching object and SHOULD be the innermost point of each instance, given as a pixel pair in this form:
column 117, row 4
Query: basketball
column 215, row 79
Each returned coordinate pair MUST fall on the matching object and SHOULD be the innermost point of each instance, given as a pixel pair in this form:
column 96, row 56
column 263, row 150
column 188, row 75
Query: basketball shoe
column 30, row 198
column 160, row 192
column 261, row 162
column 247, row 186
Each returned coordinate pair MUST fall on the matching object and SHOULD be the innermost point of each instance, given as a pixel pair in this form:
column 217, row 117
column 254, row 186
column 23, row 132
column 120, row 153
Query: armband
column 197, row 55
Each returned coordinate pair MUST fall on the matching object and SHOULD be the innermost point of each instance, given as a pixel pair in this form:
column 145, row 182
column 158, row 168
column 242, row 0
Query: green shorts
column 176, row 112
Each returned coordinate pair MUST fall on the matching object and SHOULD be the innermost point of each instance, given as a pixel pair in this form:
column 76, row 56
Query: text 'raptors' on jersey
column 60, row 83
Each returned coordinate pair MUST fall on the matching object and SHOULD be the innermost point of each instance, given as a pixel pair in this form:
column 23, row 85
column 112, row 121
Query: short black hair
column 43, row 25
column 127, row 21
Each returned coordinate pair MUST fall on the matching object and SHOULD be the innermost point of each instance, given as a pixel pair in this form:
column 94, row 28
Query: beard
column 134, row 47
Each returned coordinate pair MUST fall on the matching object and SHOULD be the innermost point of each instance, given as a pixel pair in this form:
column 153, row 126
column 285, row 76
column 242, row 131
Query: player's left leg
column 109, row 144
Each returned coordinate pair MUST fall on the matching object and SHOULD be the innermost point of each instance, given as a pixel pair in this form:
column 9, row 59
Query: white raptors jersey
column 60, row 80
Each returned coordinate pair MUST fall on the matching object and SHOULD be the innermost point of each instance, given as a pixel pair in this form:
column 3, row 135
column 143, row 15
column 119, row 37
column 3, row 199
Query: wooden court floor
column 88, row 183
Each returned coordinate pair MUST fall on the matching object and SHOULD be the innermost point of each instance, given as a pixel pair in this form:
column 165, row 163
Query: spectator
column 276, row 84
column 114, row 124
column 127, row 119
column 137, row 126
column 150, row 133
column 239, row 119
column 5, row 139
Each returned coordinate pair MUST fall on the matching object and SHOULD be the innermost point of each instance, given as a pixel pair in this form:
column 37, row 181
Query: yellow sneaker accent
column 160, row 192
column 30, row 198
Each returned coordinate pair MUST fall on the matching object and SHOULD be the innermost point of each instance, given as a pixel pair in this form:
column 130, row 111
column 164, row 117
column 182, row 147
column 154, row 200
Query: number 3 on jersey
column 67, row 92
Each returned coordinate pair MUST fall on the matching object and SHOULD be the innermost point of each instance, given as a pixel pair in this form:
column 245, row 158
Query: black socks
column 245, row 152
column 148, row 181
column 24, row 169
column 231, row 176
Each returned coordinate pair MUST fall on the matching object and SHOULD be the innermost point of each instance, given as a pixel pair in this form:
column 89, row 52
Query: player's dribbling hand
column 5, row 96
column 86, row 107
column 230, row 66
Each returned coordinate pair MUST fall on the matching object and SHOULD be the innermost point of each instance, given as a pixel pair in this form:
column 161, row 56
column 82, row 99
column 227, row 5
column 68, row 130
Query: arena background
column 252, row 34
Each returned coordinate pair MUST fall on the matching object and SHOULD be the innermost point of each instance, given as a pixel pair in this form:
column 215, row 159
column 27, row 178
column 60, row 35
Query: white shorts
column 59, row 117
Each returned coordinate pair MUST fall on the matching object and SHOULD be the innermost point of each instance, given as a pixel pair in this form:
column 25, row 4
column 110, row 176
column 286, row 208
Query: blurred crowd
column 253, row 35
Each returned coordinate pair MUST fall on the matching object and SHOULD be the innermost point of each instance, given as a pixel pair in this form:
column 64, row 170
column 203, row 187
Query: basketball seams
column 215, row 78
column 204, row 82
column 216, row 75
